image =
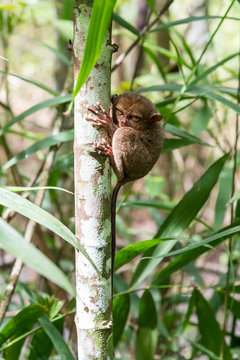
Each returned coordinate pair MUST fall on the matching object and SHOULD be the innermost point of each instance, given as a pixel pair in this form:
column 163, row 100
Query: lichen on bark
column 92, row 201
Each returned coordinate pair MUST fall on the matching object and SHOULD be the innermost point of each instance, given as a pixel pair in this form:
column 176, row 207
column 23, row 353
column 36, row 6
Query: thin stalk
column 230, row 244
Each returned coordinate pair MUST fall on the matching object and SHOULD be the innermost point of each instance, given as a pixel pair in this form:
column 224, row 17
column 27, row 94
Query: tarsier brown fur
column 135, row 140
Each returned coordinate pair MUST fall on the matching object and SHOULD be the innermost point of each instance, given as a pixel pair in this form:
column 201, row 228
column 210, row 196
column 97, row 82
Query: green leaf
column 205, row 73
column 212, row 336
column 172, row 144
column 120, row 21
column 189, row 20
column 146, row 340
column 42, row 217
column 58, row 342
column 203, row 349
column 42, row 105
column 15, row 244
column 187, row 257
column 129, row 252
column 121, row 306
column 100, row 20
column 35, row 188
column 180, row 218
column 146, row 343
column 61, row 137
column 151, row 203
column 147, row 311
column 224, row 194
column 174, row 130
column 34, row 82
column 202, row 91
column 205, row 91
column 22, row 322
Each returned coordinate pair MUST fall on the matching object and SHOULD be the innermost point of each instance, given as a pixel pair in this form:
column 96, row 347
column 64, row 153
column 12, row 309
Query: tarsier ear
column 114, row 98
column 155, row 117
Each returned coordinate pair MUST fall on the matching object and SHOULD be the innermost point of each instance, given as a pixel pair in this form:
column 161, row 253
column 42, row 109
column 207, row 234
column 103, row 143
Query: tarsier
column 135, row 140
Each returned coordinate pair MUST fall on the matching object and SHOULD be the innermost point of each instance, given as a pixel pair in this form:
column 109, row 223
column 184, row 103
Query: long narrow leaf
column 180, row 217
column 100, row 19
column 22, row 322
column 42, row 217
column 186, row 258
column 189, row 20
column 42, row 105
column 120, row 21
column 61, row 137
column 56, row 338
column 14, row 243
column 205, row 73
column 34, row 82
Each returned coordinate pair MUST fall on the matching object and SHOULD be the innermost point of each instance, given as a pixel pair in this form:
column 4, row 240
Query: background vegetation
column 177, row 278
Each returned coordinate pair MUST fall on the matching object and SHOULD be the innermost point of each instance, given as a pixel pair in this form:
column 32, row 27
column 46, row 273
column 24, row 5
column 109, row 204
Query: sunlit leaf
column 189, row 20
column 14, row 243
column 34, row 82
column 42, row 217
column 100, row 19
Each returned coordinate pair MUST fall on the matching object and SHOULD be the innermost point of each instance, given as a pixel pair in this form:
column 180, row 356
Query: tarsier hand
column 103, row 119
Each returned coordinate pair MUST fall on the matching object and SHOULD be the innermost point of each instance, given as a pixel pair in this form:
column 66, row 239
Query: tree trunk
column 92, row 200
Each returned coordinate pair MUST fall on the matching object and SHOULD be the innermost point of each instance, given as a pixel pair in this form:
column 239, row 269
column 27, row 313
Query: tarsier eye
column 119, row 112
column 135, row 118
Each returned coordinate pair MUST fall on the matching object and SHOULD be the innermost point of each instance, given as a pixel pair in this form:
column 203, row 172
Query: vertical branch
column 92, row 200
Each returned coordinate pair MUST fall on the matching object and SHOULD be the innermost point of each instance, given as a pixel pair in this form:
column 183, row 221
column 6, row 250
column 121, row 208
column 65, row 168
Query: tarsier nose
column 123, row 121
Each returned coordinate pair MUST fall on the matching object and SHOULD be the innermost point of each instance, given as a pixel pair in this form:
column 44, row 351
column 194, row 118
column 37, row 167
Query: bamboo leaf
column 129, row 252
column 100, row 19
column 180, row 217
column 14, row 243
column 121, row 306
column 185, row 258
column 58, row 342
column 42, row 217
column 146, row 339
column 42, row 105
column 189, row 20
column 212, row 336
column 224, row 194
column 34, row 82
column 120, row 21
column 61, row 137
column 205, row 73
column 22, row 322
column 174, row 130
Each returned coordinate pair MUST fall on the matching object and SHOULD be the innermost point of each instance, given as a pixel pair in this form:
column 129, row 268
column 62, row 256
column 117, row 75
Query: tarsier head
column 134, row 111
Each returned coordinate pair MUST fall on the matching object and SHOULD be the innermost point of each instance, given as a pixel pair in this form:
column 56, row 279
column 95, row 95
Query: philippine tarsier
column 135, row 139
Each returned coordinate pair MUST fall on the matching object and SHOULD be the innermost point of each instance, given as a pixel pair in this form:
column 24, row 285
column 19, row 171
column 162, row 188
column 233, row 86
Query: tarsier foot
column 103, row 117
column 104, row 148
